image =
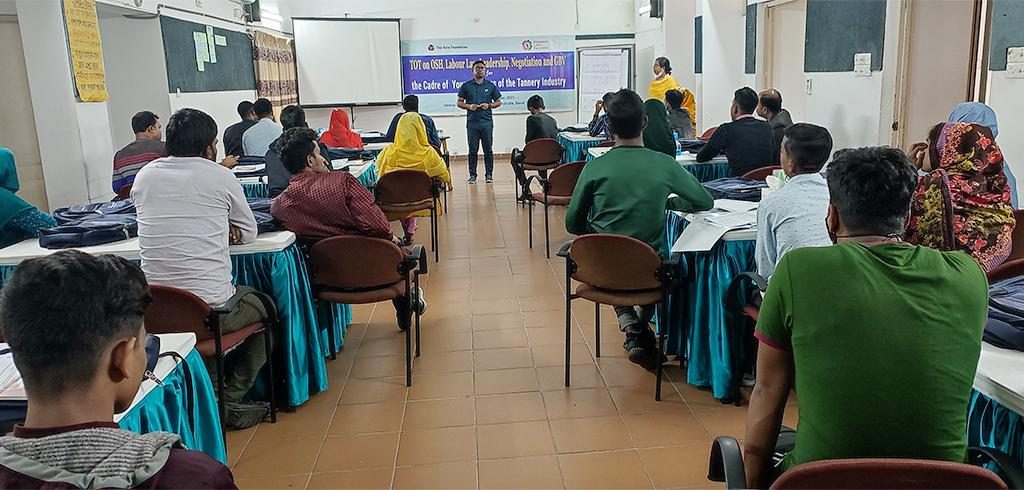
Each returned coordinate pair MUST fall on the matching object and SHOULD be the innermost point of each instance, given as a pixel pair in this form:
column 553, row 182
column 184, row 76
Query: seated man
column 189, row 210
column 319, row 204
column 678, row 116
column 538, row 125
column 257, row 139
column 794, row 216
column 74, row 324
column 769, row 107
column 146, row 148
column 411, row 103
column 625, row 192
column 278, row 175
column 883, row 369
column 747, row 142
column 599, row 123
column 233, row 134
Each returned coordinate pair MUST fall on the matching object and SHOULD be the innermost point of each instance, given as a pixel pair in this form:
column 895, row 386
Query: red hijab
column 338, row 135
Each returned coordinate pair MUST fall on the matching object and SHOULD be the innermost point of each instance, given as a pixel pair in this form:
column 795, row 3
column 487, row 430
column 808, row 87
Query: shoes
column 244, row 415
column 748, row 380
column 472, row 179
column 421, row 301
column 406, row 241
column 641, row 348
column 489, row 179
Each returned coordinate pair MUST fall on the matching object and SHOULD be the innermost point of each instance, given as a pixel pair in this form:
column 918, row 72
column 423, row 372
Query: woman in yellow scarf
column 664, row 81
column 412, row 151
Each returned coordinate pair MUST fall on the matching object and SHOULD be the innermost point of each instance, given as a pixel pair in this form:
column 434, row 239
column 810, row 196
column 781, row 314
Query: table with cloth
column 273, row 264
column 577, row 144
column 717, row 168
column 996, row 411
column 365, row 172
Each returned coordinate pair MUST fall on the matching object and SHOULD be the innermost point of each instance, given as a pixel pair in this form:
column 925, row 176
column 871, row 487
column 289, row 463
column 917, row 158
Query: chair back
column 1017, row 251
column 606, row 144
column 762, row 173
column 887, row 473
column 355, row 262
column 708, row 134
column 438, row 150
column 615, row 262
column 124, row 192
column 177, row 311
column 543, row 151
column 562, row 180
column 402, row 192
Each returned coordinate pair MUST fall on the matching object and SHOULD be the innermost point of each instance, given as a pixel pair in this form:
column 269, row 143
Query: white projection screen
column 347, row 61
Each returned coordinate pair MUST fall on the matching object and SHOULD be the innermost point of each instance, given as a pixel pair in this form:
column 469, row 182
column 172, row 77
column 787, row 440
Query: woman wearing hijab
column 963, row 203
column 338, row 135
column 412, row 151
column 978, row 113
column 19, row 220
column 658, row 132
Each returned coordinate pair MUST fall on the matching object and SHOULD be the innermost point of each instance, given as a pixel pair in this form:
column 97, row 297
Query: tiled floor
column 488, row 407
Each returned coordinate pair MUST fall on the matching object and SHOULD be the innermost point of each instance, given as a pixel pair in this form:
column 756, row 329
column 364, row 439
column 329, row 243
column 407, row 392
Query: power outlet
column 1015, row 55
column 1015, row 70
column 199, row 3
column 807, row 86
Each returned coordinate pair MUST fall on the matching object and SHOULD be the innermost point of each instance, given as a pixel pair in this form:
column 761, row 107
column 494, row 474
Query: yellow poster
column 86, row 52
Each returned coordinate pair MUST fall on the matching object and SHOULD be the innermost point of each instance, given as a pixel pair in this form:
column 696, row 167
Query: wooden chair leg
column 597, row 329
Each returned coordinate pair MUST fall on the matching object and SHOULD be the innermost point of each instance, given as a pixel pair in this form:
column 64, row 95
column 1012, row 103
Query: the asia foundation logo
column 431, row 48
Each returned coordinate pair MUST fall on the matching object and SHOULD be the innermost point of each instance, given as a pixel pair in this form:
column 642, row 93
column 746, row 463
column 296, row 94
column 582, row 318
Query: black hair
column 871, row 188
column 808, row 146
column 62, row 311
column 143, row 120
column 535, row 102
column 933, row 143
column 771, row 99
column 295, row 145
column 746, row 99
column 607, row 97
column 293, row 117
column 244, row 109
column 625, row 114
column 189, row 133
column 411, row 103
column 479, row 62
column 665, row 64
column 263, row 108
column 674, row 98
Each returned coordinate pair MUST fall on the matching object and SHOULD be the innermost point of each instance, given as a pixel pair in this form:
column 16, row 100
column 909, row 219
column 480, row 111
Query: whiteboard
column 602, row 70
column 347, row 61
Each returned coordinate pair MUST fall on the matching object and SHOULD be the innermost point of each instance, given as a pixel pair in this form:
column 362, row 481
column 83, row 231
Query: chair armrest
column 416, row 260
column 672, row 260
column 1008, row 269
column 232, row 303
column 1007, row 467
column 726, row 463
column 730, row 300
column 543, row 182
column 563, row 251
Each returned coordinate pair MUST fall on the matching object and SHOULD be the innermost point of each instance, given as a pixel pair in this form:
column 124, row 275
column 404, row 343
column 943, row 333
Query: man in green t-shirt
column 625, row 192
column 881, row 337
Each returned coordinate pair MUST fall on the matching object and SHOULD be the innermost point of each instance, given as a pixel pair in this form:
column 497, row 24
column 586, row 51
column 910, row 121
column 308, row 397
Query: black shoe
column 244, row 415
column 406, row 241
column 640, row 347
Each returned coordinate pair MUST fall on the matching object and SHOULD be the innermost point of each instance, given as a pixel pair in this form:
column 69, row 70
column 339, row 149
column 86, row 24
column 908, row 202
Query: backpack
column 736, row 188
column 92, row 211
column 90, row 231
column 261, row 211
column 1005, row 325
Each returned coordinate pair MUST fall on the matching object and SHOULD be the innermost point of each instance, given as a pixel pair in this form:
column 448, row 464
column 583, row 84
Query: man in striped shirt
column 146, row 148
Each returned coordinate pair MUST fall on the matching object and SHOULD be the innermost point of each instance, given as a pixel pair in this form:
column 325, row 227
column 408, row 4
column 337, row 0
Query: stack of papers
column 339, row 163
column 248, row 169
column 733, row 220
column 11, row 386
column 735, row 206
column 371, row 134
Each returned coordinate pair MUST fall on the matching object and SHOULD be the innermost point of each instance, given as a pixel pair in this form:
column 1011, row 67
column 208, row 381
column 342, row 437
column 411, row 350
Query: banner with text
column 521, row 67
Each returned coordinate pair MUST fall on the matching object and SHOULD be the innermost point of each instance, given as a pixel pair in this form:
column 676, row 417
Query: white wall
column 16, row 129
column 723, row 51
column 1005, row 98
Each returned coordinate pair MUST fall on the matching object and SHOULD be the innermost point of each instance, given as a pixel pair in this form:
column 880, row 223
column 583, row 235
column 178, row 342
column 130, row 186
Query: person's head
column 411, row 103
column 535, row 104
column 744, row 102
column 626, row 115
column 662, row 66
column 805, row 149
column 293, row 117
column 146, row 125
column 479, row 70
column 300, row 151
column 976, row 113
column 74, row 323
column 674, row 99
column 870, row 191
column 932, row 157
column 769, row 103
column 192, row 133
column 263, row 108
column 245, row 111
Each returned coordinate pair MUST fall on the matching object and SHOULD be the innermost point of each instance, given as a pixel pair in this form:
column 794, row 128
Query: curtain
column 275, row 69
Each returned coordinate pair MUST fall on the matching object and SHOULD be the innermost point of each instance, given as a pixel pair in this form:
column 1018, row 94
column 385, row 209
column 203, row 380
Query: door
column 785, row 24
column 17, row 120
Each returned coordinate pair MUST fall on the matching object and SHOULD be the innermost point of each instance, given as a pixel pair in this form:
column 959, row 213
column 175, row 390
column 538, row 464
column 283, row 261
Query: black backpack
column 1005, row 326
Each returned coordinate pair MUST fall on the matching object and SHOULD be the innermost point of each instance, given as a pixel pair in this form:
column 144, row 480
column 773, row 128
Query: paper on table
column 735, row 206
column 244, row 169
column 698, row 237
column 732, row 221
column 339, row 163
column 11, row 386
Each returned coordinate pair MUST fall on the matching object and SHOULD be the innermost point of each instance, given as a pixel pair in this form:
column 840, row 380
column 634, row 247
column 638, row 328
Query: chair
column 361, row 270
column 444, row 188
column 557, row 190
column 761, row 173
column 124, row 192
column 726, row 465
column 401, row 193
column 616, row 270
column 708, row 134
column 606, row 144
column 538, row 155
column 179, row 311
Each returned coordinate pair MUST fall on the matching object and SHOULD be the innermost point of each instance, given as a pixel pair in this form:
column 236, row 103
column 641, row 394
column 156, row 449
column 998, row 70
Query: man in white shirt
column 794, row 216
column 257, row 139
column 189, row 210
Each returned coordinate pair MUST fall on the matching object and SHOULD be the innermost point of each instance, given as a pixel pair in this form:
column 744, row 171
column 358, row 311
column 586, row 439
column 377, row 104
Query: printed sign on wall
column 86, row 51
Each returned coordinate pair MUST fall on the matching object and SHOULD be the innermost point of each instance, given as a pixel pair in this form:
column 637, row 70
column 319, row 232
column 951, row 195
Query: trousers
column 634, row 319
column 478, row 135
column 250, row 356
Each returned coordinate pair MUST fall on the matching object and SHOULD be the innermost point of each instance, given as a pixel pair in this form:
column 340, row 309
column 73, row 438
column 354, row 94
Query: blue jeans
column 477, row 135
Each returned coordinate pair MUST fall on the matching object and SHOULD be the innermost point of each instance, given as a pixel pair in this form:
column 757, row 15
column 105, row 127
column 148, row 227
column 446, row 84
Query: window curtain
column 275, row 69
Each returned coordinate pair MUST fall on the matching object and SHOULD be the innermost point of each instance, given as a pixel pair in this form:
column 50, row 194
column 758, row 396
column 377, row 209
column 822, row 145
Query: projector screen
column 347, row 61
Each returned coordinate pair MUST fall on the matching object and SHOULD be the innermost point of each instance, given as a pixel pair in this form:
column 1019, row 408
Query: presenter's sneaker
column 244, row 415
column 472, row 179
column 489, row 179
column 421, row 301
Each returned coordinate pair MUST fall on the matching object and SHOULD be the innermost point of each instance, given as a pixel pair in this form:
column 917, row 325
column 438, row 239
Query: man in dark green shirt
column 881, row 337
column 625, row 192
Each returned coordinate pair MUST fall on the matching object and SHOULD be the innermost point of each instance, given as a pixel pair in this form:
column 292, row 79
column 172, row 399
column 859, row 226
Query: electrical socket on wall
column 1015, row 55
column 199, row 3
column 807, row 86
column 1015, row 70
column 862, row 64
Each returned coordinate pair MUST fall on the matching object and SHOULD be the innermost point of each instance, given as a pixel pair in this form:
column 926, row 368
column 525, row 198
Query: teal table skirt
column 169, row 408
column 575, row 151
column 368, row 179
column 696, row 326
column 990, row 424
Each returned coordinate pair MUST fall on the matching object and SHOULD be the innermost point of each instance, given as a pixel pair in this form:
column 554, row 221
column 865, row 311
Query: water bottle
column 679, row 146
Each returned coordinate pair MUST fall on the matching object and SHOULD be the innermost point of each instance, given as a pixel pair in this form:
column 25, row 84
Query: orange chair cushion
column 363, row 297
column 609, row 297
column 552, row 200
column 208, row 348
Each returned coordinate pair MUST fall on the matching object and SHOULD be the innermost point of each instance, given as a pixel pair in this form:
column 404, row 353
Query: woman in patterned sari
column 963, row 203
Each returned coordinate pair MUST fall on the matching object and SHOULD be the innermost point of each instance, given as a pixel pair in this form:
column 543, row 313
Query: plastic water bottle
column 679, row 146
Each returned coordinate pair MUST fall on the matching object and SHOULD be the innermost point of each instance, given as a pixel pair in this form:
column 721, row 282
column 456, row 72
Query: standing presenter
column 478, row 97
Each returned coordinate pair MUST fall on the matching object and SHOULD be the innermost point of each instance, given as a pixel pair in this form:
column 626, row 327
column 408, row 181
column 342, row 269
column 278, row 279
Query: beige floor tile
column 441, row 386
column 367, row 417
column 640, row 399
column 506, row 381
column 590, row 434
column 500, row 339
column 491, row 307
column 582, row 376
column 674, row 467
column 358, row 452
column 448, row 412
column 665, row 429
column 491, row 359
column 273, row 483
column 725, row 421
column 458, row 475
column 514, row 440
column 237, row 440
column 616, row 469
column 429, row 446
column 552, row 335
column 584, row 402
column 498, row 321
column 378, row 367
column 373, row 390
column 379, row 478
column 537, row 472
column 444, row 362
column 513, row 407
column 554, row 355
column 293, row 426
column 278, row 458
column 445, row 342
